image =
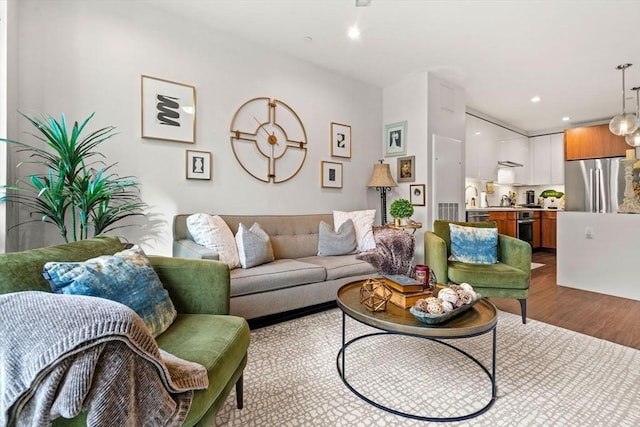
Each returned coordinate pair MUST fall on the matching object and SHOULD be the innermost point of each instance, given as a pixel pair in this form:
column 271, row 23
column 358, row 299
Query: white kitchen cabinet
column 557, row 158
column 517, row 150
column 548, row 159
column 481, row 154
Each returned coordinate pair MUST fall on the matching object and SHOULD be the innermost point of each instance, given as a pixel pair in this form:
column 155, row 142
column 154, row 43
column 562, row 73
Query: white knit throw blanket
column 60, row 354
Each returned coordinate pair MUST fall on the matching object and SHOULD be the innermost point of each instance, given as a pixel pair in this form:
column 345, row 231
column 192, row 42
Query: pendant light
column 624, row 123
column 633, row 139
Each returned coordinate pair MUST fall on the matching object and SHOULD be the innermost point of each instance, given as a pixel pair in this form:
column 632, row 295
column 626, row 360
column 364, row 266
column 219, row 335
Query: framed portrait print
column 340, row 140
column 395, row 139
column 198, row 164
column 331, row 175
column 168, row 110
column 416, row 194
column 406, row 169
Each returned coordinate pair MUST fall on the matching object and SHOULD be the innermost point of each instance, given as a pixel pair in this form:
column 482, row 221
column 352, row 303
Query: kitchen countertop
column 513, row 208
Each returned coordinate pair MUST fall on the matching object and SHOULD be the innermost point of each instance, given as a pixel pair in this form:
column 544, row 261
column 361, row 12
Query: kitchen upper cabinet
column 481, row 150
column 592, row 142
column 548, row 159
column 557, row 158
column 517, row 150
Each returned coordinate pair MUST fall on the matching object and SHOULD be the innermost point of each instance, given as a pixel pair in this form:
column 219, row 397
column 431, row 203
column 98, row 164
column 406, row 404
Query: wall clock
column 268, row 139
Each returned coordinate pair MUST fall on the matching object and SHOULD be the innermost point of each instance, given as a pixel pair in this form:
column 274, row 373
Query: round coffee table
column 478, row 320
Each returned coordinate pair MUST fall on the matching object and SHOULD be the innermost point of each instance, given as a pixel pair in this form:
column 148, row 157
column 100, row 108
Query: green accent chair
column 203, row 332
column 509, row 278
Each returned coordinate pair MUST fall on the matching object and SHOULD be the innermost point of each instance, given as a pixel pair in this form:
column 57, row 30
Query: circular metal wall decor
column 268, row 139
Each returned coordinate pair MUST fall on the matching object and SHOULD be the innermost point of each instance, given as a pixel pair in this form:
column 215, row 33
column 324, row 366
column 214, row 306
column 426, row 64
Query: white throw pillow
column 254, row 246
column 363, row 223
column 212, row 232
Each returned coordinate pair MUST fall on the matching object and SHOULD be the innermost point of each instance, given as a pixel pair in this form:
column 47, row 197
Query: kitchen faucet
column 465, row 192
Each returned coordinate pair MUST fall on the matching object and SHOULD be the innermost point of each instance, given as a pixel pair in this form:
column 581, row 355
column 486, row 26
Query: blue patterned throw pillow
column 474, row 245
column 126, row 277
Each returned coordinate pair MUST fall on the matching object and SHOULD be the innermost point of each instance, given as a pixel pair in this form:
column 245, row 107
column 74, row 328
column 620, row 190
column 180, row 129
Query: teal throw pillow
column 340, row 242
column 126, row 277
column 473, row 244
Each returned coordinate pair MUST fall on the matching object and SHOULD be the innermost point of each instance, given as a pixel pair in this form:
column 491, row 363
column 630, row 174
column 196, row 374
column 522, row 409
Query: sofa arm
column 189, row 249
column 435, row 256
column 514, row 252
column 195, row 286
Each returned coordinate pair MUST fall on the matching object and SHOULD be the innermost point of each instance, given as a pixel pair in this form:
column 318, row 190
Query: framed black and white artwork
column 168, row 110
column 331, row 175
column 395, row 139
column 198, row 164
column 340, row 140
column 417, row 194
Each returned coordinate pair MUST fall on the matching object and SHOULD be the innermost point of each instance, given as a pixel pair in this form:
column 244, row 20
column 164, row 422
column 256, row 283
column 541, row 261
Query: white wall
column 407, row 100
column 607, row 261
column 78, row 57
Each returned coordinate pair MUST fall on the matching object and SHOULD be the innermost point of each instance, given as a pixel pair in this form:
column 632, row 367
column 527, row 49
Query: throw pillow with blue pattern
column 473, row 244
column 126, row 277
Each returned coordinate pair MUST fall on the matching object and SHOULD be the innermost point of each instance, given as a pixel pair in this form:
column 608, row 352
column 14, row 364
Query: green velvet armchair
column 509, row 278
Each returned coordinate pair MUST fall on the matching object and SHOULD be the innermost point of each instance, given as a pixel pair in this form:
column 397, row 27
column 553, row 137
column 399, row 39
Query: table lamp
column 382, row 180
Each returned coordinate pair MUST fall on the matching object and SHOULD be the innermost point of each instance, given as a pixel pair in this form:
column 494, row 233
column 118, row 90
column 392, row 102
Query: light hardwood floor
column 611, row 318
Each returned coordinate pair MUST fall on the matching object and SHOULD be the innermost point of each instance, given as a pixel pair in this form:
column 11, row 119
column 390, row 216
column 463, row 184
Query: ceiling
column 502, row 52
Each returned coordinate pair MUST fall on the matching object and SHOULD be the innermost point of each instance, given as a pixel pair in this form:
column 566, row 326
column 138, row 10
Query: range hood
column 509, row 164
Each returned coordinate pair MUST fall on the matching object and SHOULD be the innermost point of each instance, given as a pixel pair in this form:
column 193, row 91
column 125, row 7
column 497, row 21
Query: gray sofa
column 296, row 279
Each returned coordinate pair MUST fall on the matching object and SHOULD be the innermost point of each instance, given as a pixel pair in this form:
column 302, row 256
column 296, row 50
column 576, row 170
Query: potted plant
column 76, row 191
column 400, row 208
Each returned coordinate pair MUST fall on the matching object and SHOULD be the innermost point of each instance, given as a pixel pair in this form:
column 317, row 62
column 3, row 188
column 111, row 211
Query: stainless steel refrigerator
column 595, row 185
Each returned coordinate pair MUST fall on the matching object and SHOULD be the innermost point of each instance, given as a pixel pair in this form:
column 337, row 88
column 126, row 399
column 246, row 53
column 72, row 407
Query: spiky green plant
column 77, row 192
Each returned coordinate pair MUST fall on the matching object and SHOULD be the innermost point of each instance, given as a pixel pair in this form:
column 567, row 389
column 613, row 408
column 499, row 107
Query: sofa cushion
column 498, row 275
column 338, row 267
column 281, row 273
column 254, row 246
column 473, row 244
column 212, row 232
column 126, row 277
column 216, row 342
column 339, row 242
column 363, row 223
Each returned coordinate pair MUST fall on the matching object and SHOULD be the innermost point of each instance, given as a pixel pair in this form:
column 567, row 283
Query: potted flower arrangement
column 400, row 208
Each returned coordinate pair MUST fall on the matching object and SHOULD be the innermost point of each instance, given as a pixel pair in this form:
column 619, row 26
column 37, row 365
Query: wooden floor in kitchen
column 611, row 318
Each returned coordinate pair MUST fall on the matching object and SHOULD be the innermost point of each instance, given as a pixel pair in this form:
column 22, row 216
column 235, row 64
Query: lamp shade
column 381, row 176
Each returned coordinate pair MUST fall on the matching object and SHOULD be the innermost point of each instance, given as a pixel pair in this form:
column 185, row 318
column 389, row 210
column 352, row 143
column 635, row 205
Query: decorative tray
column 435, row 319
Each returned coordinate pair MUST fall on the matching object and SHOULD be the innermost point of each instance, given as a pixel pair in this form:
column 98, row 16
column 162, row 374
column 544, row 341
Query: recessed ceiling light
column 354, row 33
column 363, row 3
column 566, row 118
column 478, row 133
column 535, row 99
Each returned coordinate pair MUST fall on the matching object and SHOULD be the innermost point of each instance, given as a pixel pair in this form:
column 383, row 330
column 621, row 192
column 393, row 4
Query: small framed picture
column 340, row 140
column 331, row 175
column 198, row 164
column 395, row 139
column 416, row 194
column 168, row 110
column 406, row 169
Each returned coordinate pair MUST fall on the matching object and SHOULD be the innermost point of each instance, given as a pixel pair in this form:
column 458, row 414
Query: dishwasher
column 477, row 216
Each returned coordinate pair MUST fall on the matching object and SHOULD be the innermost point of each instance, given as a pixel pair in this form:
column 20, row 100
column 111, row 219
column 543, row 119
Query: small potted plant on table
column 401, row 209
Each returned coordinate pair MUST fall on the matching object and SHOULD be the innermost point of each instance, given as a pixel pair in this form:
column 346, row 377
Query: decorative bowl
column 435, row 319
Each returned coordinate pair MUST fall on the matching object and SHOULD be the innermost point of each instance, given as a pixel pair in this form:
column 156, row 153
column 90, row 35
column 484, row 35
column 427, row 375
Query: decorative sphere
column 623, row 124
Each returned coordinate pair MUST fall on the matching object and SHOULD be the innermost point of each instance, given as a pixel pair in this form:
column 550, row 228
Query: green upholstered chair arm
column 195, row 286
column 435, row 256
column 514, row 252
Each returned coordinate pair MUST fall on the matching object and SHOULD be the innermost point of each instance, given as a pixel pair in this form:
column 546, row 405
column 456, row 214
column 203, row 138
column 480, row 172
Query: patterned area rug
column 546, row 376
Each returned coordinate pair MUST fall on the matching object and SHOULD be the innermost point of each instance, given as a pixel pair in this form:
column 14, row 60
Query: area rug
column 546, row 376
column 535, row 265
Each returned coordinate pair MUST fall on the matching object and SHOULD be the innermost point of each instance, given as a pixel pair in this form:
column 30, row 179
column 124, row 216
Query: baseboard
column 272, row 319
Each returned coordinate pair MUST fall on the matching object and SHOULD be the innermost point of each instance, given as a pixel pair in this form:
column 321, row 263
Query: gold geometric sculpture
column 266, row 133
column 374, row 295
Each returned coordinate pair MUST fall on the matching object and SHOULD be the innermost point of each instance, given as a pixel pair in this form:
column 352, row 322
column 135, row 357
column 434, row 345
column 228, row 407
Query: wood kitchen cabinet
column 506, row 222
column 592, row 142
column 548, row 229
column 536, row 230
